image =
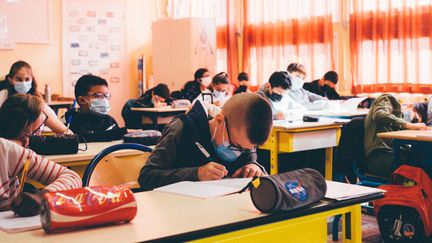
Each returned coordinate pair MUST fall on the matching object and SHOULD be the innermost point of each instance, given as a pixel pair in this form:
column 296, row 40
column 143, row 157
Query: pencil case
column 288, row 190
column 147, row 137
column 54, row 144
column 87, row 206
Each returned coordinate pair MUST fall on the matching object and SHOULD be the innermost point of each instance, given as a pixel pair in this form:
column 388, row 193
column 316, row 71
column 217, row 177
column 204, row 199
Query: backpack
column 405, row 212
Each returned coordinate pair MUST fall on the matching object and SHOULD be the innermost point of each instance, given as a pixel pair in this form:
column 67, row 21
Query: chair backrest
column 105, row 169
column 351, row 145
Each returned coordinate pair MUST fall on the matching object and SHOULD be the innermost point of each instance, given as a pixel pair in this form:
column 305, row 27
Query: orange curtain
column 278, row 32
column 391, row 43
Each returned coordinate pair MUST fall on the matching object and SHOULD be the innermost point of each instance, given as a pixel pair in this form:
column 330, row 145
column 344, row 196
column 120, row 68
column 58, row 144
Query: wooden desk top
column 160, row 110
column 54, row 103
column 345, row 114
column 92, row 150
column 414, row 135
column 299, row 126
column 178, row 218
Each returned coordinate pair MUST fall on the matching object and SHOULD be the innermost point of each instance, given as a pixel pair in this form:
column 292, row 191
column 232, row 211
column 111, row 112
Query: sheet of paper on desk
column 343, row 191
column 206, row 189
column 351, row 104
column 13, row 224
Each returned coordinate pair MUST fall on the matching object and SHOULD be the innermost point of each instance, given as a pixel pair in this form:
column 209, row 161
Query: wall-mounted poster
column 94, row 42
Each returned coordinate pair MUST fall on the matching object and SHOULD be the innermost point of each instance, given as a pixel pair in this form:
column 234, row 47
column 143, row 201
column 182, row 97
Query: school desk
column 158, row 116
column 420, row 142
column 288, row 137
column 78, row 162
column 56, row 105
column 164, row 217
column 339, row 114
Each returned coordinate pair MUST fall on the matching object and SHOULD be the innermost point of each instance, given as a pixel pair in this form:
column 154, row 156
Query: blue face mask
column 224, row 153
column 100, row 106
column 23, row 87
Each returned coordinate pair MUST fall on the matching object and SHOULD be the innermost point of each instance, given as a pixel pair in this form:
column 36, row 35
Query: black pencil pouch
column 288, row 190
column 54, row 144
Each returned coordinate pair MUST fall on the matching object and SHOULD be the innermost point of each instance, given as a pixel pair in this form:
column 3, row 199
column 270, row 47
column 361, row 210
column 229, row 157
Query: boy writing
column 195, row 148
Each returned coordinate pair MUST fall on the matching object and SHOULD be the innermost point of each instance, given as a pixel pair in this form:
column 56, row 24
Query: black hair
column 331, row 76
column 296, row 67
column 280, row 79
column 243, row 77
column 162, row 90
column 86, row 82
column 200, row 72
column 220, row 78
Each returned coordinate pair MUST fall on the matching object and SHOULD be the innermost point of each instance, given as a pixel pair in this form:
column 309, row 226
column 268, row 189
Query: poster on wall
column 93, row 36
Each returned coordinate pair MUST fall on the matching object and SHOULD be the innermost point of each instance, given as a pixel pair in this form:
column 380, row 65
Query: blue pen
column 69, row 118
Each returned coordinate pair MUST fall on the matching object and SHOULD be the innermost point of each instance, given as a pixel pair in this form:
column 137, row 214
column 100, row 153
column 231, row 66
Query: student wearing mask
column 385, row 115
column 91, row 120
column 230, row 138
column 20, row 80
column 274, row 91
column 310, row 100
column 21, row 116
column 326, row 86
column 194, row 88
column 220, row 89
column 243, row 80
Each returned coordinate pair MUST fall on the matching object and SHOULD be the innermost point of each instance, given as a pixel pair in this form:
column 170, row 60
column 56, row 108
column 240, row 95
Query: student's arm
column 251, row 168
column 160, row 168
column 314, row 97
column 53, row 121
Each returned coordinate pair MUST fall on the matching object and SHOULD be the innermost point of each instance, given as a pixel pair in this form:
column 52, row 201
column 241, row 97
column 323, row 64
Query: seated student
column 326, row 86
column 194, row 88
column 385, row 115
column 157, row 96
column 20, row 80
column 310, row 100
column 219, row 89
column 243, row 80
column 91, row 120
column 21, row 116
column 229, row 138
column 275, row 89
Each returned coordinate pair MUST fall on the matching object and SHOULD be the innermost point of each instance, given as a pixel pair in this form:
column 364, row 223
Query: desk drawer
column 294, row 142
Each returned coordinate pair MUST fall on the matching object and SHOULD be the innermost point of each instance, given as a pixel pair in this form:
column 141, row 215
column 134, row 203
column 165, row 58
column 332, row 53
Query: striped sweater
column 12, row 160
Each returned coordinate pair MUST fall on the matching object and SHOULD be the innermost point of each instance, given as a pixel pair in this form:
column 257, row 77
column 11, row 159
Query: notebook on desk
column 343, row 191
column 206, row 189
column 13, row 224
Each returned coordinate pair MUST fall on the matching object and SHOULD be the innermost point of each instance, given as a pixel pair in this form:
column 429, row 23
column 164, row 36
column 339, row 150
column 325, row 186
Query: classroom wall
column 46, row 59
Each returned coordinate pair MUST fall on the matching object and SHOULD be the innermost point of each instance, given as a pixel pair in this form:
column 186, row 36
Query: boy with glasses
column 193, row 148
column 91, row 120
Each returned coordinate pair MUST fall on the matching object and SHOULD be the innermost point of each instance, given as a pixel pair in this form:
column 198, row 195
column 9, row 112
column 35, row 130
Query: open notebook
column 14, row 224
column 343, row 191
column 206, row 189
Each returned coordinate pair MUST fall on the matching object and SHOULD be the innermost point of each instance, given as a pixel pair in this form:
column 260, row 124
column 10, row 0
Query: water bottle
column 47, row 93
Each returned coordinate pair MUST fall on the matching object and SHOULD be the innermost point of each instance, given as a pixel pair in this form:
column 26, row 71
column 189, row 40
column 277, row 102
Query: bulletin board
column 93, row 36
column 27, row 21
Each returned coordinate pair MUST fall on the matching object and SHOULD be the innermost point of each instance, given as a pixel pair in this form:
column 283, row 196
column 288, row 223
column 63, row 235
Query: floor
column 370, row 231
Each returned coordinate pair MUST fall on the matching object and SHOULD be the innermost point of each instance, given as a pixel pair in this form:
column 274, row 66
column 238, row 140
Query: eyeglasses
column 100, row 95
column 236, row 147
column 39, row 129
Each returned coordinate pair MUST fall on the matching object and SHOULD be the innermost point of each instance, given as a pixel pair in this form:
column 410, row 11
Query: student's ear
column 267, row 88
column 81, row 100
column 11, row 82
column 219, row 118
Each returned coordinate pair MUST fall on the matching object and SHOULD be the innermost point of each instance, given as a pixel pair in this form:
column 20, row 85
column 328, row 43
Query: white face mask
column 23, row 87
column 100, row 106
column 296, row 83
column 219, row 94
column 206, row 81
